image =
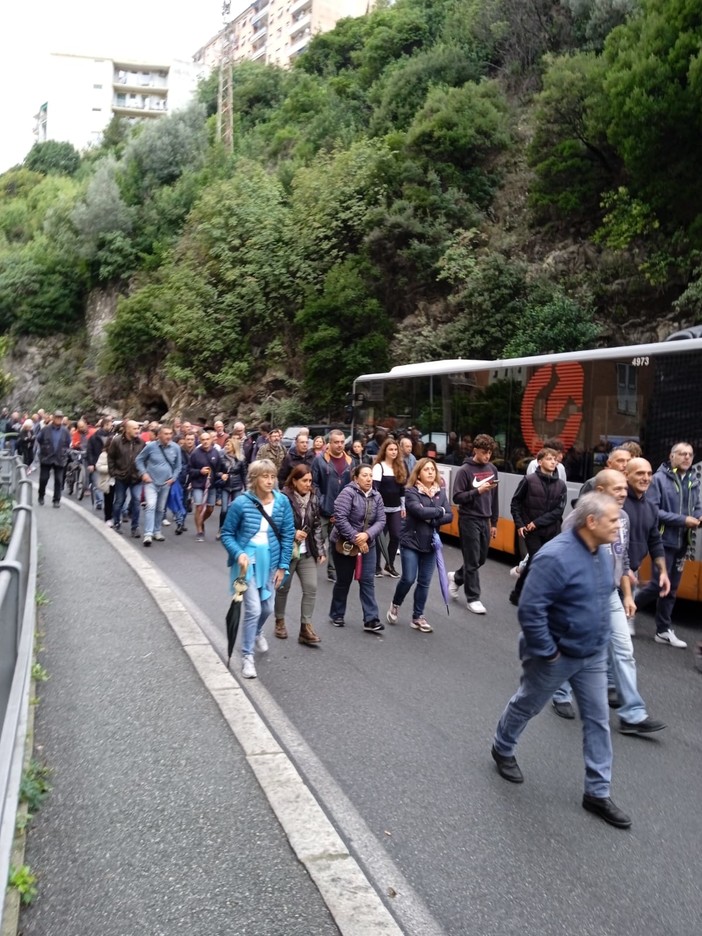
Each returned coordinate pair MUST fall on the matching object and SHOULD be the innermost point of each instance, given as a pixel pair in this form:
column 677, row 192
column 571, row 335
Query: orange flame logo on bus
column 552, row 405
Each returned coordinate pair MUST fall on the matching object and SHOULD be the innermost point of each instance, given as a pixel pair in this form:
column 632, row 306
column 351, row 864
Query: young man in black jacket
column 475, row 492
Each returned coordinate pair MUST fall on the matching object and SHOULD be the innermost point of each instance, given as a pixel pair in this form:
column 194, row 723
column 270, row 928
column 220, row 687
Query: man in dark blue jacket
column 644, row 535
column 564, row 613
column 675, row 494
column 53, row 443
column 331, row 472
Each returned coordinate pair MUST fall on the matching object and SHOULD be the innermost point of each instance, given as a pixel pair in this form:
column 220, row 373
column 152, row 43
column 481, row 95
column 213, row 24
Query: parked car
column 290, row 433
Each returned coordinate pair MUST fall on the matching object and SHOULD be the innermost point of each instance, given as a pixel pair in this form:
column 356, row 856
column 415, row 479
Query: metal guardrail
column 18, row 579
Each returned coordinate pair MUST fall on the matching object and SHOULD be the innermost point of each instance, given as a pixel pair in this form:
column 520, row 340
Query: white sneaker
column 159, row 538
column 477, row 607
column 261, row 644
column 393, row 614
column 515, row 572
column 668, row 637
column 248, row 670
column 165, row 522
column 454, row 590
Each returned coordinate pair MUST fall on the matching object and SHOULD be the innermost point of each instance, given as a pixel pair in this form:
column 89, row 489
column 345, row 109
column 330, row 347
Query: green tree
column 99, row 218
column 162, row 151
column 552, row 323
column 651, row 108
column 570, row 154
column 53, row 158
column 344, row 332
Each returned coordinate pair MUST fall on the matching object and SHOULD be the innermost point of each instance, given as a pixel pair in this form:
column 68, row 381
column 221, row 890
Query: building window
column 98, row 87
column 97, row 109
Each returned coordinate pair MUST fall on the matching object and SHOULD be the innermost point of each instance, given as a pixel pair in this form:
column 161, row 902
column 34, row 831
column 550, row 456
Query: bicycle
column 74, row 479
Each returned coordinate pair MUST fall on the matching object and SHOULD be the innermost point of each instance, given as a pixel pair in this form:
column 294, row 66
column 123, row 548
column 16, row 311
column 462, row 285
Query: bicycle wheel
column 70, row 480
column 80, row 485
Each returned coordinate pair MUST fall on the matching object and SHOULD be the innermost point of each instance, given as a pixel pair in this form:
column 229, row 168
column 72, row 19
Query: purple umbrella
column 441, row 569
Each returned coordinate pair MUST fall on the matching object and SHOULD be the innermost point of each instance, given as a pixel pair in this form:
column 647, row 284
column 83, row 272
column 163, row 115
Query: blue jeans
column 121, row 489
column 256, row 613
column 588, row 677
column 621, row 671
column 345, row 566
column 674, row 563
column 419, row 567
column 156, row 496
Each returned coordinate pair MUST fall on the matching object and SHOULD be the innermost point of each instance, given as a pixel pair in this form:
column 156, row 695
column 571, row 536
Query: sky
column 31, row 29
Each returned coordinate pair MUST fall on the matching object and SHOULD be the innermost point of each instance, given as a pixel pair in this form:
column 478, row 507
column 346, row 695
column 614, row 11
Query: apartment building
column 86, row 92
column 276, row 31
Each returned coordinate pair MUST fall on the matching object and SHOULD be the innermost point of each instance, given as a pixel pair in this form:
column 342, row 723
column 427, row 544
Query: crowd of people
column 354, row 507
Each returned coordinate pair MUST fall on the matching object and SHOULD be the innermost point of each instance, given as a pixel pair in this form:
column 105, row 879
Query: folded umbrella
column 441, row 569
column 234, row 615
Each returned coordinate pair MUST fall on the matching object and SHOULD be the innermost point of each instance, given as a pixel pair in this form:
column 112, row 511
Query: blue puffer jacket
column 565, row 602
column 674, row 499
column 350, row 511
column 243, row 522
column 424, row 515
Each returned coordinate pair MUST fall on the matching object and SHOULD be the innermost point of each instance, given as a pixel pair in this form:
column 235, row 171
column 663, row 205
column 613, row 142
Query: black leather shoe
column 603, row 807
column 507, row 767
column 564, row 709
column 647, row 726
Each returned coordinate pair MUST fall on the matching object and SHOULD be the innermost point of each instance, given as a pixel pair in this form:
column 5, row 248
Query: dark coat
column 45, row 443
column 424, row 515
column 328, row 483
column 201, row 459
column 236, row 470
column 350, row 512
column 540, row 499
column 121, row 459
column 292, row 460
column 465, row 492
column 644, row 535
column 311, row 522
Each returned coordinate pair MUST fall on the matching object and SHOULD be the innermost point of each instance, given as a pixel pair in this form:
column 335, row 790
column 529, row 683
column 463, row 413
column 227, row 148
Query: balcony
column 138, row 81
column 260, row 17
column 300, row 5
column 258, row 35
column 299, row 26
column 298, row 47
column 258, row 54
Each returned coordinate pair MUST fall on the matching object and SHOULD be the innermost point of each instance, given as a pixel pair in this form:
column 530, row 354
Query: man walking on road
column 644, row 535
column 475, row 492
column 53, row 443
column 564, row 613
column 158, row 463
column 121, row 465
column 675, row 493
column 331, row 472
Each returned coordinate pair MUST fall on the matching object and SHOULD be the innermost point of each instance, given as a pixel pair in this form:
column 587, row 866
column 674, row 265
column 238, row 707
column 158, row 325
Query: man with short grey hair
column 675, row 494
column 331, row 472
column 300, row 453
column 564, row 613
column 159, row 466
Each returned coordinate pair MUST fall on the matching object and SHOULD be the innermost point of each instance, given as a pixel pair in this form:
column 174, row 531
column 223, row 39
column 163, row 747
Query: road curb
column 351, row 899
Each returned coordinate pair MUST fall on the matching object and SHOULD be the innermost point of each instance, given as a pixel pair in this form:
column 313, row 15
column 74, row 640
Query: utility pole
column 225, row 97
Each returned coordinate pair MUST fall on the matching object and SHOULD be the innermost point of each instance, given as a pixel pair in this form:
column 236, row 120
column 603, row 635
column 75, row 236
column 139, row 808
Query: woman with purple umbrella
column 427, row 509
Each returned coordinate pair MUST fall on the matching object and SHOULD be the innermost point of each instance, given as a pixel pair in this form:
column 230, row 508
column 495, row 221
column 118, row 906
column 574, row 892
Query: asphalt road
column 393, row 733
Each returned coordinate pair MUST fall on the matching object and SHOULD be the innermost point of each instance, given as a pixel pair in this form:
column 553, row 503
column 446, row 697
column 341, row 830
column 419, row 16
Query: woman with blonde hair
column 258, row 535
column 389, row 479
column 233, row 476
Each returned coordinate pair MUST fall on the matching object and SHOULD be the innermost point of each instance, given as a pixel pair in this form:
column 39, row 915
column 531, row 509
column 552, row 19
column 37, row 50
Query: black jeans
column 44, row 472
column 475, row 540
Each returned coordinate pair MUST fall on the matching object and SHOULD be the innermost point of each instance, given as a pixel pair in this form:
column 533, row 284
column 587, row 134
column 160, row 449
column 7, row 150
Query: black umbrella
column 234, row 615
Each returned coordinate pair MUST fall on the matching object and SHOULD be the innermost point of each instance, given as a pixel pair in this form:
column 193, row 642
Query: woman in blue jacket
column 258, row 535
column 427, row 509
column 359, row 519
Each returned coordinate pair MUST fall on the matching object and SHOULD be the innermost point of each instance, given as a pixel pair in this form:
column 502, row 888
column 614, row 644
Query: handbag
column 344, row 547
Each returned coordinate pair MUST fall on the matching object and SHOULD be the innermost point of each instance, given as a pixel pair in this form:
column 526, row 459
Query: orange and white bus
column 590, row 400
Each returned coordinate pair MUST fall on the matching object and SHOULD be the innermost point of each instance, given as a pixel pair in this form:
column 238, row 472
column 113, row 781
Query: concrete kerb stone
column 353, row 902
